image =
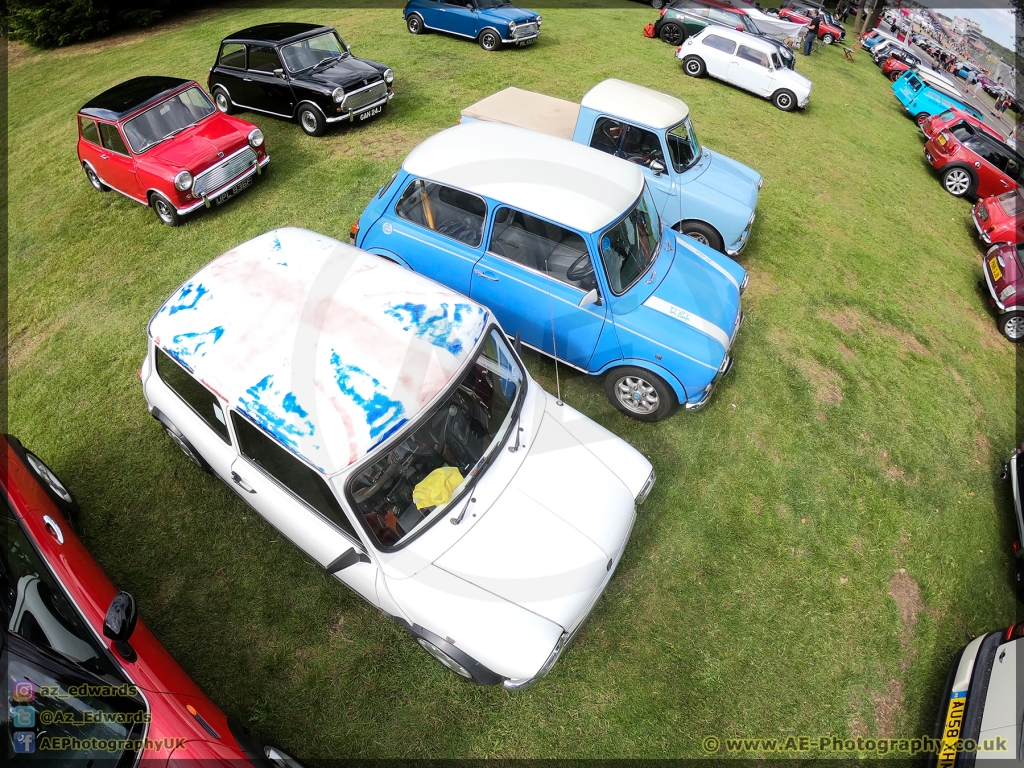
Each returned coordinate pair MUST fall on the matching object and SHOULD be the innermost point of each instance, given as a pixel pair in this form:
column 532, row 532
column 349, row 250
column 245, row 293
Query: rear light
column 1016, row 547
column 353, row 233
column 662, row 14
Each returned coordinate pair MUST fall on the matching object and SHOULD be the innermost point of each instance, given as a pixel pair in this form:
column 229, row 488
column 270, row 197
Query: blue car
column 924, row 95
column 565, row 245
column 492, row 23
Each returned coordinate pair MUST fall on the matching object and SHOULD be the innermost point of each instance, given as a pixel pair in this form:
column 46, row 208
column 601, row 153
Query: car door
column 430, row 10
column 89, row 147
column 262, row 88
column 116, row 166
column 717, row 53
column 230, row 69
column 295, row 499
column 533, row 277
column 749, row 69
column 990, row 169
column 460, row 17
column 640, row 146
column 439, row 232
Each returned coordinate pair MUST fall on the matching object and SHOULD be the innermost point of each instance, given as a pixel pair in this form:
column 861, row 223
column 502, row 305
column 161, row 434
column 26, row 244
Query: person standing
column 812, row 32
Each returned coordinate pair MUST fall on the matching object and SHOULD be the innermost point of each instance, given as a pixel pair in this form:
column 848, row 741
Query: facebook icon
column 24, row 742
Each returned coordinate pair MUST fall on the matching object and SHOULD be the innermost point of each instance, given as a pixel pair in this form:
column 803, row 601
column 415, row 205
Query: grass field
column 821, row 539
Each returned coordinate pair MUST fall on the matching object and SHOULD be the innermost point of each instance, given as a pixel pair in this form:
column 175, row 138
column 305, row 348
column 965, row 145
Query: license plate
column 997, row 273
column 951, row 730
column 233, row 191
column 941, row 140
column 531, row 41
column 371, row 112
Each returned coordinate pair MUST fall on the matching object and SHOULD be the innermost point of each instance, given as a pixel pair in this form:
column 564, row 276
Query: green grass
column 860, row 433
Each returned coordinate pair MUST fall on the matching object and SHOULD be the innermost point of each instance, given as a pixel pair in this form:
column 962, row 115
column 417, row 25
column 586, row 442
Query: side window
column 539, row 245
column 1012, row 167
column 455, row 214
column 263, row 59
column 232, row 55
column 641, row 146
column 607, row 135
column 89, row 131
column 749, row 54
column 290, row 472
column 724, row 17
column 206, row 404
column 111, row 138
column 720, row 43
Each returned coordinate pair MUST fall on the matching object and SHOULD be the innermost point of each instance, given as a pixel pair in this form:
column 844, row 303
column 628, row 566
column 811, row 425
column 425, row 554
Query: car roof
column 636, row 103
column 131, row 95
column 275, row 32
column 569, row 183
column 711, row 4
column 326, row 347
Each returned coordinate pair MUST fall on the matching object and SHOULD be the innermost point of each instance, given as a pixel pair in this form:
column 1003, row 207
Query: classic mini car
column 932, row 126
column 923, row 95
column 979, row 717
column 67, row 629
column 1012, row 471
column 828, row 31
column 701, row 193
column 160, row 142
column 1000, row 219
column 492, row 23
column 386, row 426
column 972, row 163
column 1001, row 268
column 564, row 243
column 301, row 71
column 747, row 62
column 883, row 50
column 683, row 18
column 894, row 66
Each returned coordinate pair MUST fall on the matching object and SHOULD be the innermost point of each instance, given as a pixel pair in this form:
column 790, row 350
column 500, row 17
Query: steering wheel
column 580, row 269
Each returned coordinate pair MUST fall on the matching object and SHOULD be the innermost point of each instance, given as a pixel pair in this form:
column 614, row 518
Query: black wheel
column 55, row 489
column 784, row 100
column 958, row 181
column 1011, row 325
column 223, row 101
column 164, row 210
column 702, row 233
column 186, row 447
column 490, row 40
column 415, row 24
column 311, row 121
column 98, row 185
column 641, row 394
column 694, row 66
column 828, row 39
column 673, row 34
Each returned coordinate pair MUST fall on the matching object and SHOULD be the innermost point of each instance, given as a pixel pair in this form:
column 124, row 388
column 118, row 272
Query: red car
column 827, row 33
column 1000, row 219
column 973, row 163
column 87, row 682
column 945, row 120
column 161, row 142
column 1001, row 267
column 894, row 68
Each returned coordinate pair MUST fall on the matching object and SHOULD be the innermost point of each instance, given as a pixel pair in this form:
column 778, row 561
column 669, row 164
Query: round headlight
column 338, row 95
column 511, row 26
column 256, row 137
column 183, row 181
column 389, row 76
column 538, row 20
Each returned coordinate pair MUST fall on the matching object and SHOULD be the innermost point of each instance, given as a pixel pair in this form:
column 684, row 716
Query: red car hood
column 196, row 149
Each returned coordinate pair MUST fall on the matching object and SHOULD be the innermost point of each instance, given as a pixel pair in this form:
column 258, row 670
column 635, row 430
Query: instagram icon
column 24, row 690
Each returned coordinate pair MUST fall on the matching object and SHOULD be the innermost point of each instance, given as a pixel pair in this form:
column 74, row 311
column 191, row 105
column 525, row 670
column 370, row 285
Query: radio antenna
column 554, row 348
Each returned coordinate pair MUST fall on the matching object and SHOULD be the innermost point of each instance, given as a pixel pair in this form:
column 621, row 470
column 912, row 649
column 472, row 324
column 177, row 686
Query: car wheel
column 489, row 40
column 694, row 66
column 784, row 100
column 186, row 447
column 415, row 24
column 641, row 394
column 702, row 233
column 223, row 101
column 957, row 181
column 164, row 210
column 672, row 34
column 894, row 76
column 311, row 121
column 98, row 185
column 444, row 658
column 1011, row 325
column 657, row 4
column 920, row 117
column 55, row 489
column 828, row 39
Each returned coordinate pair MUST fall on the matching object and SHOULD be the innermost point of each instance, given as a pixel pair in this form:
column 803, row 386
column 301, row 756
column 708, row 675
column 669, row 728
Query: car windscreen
column 492, row 3
column 312, row 51
column 963, row 131
column 629, row 247
column 683, row 146
column 1012, row 203
column 439, row 458
column 170, row 116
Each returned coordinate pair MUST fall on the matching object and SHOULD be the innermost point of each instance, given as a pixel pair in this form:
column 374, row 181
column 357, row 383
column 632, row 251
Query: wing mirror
column 592, row 297
column 469, row 7
column 278, row 73
column 119, row 624
column 346, row 559
column 348, row 48
column 658, row 167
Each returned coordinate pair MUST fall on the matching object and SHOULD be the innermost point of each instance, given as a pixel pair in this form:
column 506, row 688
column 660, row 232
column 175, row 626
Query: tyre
column 311, row 121
column 784, row 100
column 920, row 117
column 489, row 40
column 1011, row 325
column 958, row 181
column 657, row 4
column 694, row 66
column 638, row 393
column 828, row 39
column 98, row 185
column 672, row 34
column 415, row 24
column 894, row 76
column 702, row 233
column 223, row 101
column 55, row 489
column 186, row 447
column 164, row 210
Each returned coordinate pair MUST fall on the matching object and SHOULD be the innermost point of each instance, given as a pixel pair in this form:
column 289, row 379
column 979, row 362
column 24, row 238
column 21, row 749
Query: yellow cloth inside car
column 437, row 487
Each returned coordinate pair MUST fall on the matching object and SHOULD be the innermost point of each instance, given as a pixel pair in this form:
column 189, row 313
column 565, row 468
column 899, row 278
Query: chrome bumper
column 992, row 289
column 977, row 225
column 742, row 242
column 512, row 40
column 351, row 115
column 205, row 200
column 722, row 371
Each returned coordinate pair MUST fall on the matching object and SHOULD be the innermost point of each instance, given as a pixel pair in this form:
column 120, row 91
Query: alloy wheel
column 637, row 395
column 957, row 182
column 698, row 237
column 94, row 179
column 1014, row 328
column 163, row 210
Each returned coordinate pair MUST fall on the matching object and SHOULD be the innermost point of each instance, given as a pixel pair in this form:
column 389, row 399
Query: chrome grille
column 983, row 212
column 359, row 99
column 223, row 172
column 525, row 30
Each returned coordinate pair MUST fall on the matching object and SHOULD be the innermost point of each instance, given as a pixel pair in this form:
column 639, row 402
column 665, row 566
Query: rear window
column 201, row 400
column 89, row 132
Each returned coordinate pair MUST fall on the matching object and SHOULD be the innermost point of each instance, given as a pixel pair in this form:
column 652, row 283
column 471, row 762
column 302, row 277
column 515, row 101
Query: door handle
column 485, row 276
column 104, row 157
column 237, row 478
column 1003, row 182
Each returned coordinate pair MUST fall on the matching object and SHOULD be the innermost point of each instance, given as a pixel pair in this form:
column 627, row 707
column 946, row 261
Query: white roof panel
column 636, row 104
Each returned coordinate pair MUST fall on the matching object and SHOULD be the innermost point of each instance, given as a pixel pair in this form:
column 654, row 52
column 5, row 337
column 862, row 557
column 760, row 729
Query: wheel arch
column 298, row 106
column 670, row 378
column 678, row 226
column 971, row 171
column 494, row 29
column 390, row 256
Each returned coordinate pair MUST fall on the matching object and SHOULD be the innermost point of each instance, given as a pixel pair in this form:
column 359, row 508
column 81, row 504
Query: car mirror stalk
column 346, row 559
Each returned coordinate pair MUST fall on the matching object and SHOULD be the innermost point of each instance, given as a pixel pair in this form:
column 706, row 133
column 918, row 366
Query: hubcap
column 636, row 394
column 163, row 210
column 692, row 67
column 444, row 658
column 414, row 24
column 783, row 100
column 957, row 182
column 93, row 178
column 489, row 40
column 184, row 448
column 309, row 121
column 698, row 237
column 1014, row 327
column 222, row 101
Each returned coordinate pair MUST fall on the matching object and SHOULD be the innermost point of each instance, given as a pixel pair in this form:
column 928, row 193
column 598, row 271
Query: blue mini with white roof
column 384, row 425
column 565, row 245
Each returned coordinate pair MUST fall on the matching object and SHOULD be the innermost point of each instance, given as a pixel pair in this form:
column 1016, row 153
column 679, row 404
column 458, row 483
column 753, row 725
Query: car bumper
column 352, row 114
column 520, row 40
column 977, row 225
column 726, row 366
column 737, row 248
column 992, row 289
column 205, row 200
column 1015, row 484
column 802, row 103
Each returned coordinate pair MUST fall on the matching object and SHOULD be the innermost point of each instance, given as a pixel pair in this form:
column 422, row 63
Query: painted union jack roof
column 328, row 348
